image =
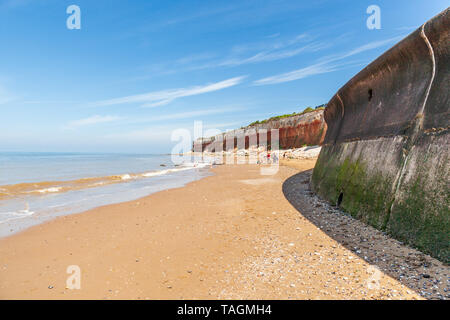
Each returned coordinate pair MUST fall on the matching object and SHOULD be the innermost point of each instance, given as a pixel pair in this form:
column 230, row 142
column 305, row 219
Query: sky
column 137, row 70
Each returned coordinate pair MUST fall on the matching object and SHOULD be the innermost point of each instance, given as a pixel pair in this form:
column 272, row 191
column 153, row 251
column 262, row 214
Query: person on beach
column 275, row 158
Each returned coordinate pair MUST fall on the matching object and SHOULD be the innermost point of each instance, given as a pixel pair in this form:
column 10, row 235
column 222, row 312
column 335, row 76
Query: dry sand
column 231, row 235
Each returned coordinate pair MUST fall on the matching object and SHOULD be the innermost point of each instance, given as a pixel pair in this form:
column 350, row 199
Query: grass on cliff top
column 307, row 110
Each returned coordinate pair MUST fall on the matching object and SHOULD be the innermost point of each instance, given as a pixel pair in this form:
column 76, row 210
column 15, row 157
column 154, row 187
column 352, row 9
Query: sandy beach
column 233, row 235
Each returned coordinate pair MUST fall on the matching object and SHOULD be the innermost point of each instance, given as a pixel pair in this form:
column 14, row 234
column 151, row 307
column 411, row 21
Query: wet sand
column 233, row 235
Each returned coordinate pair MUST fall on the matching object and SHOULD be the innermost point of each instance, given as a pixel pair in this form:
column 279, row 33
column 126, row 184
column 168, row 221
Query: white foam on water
column 50, row 190
column 196, row 164
column 155, row 173
column 185, row 166
column 8, row 216
column 47, row 203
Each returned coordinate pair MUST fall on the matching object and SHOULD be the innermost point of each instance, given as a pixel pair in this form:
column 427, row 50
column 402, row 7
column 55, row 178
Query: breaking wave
column 51, row 187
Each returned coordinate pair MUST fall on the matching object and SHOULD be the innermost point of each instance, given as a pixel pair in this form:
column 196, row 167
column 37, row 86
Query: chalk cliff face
column 294, row 132
column 385, row 157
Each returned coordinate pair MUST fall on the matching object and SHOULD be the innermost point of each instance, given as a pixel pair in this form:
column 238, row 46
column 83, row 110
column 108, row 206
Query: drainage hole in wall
column 341, row 197
column 370, row 93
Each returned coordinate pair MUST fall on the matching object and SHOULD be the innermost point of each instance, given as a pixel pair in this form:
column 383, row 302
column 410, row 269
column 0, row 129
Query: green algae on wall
column 421, row 211
column 422, row 221
column 366, row 196
column 407, row 197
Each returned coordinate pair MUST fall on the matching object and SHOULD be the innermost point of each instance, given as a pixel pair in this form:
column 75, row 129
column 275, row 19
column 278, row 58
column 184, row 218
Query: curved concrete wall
column 385, row 157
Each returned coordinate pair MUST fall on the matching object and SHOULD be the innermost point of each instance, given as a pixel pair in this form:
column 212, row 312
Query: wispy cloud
column 325, row 65
column 249, row 53
column 366, row 47
column 272, row 51
column 5, row 96
column 273, row 55
column 186, row 115
column 276, row 43
column 318, row 68
column 91, row 121
column 98, row 119
column 159, row 98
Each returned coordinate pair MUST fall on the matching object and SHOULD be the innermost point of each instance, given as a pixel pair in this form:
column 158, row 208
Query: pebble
column 393, row 258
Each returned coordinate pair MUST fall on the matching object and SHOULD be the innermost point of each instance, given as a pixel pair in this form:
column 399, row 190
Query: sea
column 37, row 187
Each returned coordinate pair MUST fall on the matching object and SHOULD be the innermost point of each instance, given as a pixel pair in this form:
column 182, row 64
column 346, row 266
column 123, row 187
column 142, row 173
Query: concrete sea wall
column 385, row 156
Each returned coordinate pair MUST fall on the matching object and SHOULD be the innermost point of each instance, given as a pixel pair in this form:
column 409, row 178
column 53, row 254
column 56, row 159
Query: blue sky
column 136, row 70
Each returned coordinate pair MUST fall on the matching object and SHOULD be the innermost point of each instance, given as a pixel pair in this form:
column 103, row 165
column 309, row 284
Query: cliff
column 294, row 132
column 385, row 157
